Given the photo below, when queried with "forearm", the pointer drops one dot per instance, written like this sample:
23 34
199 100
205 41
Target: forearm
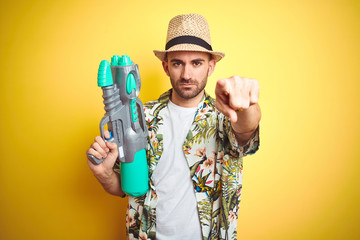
247 123
111 183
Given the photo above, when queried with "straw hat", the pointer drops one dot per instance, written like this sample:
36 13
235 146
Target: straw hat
189 32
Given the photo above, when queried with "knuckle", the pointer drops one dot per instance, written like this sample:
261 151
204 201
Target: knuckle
92 151
98 155
246 82
88 151
235 77
254 82
236 80
257 86
254 99
235 105
246 105
92 146
95 145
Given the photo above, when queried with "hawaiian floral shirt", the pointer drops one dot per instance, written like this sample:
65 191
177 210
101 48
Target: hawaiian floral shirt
216 165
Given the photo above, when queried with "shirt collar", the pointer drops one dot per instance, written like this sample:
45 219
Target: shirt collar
204 106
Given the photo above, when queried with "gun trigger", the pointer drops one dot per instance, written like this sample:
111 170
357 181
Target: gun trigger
111 135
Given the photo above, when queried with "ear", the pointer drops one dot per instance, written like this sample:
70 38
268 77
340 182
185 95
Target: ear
166 67
212 64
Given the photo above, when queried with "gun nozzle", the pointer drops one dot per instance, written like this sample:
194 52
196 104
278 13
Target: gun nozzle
104 74
125 61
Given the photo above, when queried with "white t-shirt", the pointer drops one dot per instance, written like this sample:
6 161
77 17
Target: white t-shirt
177 215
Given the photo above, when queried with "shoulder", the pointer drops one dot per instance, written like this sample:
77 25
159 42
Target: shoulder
208 101
154 107
150 104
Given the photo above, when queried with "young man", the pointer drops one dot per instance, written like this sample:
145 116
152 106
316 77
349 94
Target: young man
195 147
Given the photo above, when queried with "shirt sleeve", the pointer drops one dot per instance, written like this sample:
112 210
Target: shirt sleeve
250 147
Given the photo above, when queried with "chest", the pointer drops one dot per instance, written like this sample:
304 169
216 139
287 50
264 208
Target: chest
199 144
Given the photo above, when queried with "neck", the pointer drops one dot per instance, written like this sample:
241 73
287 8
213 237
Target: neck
186 103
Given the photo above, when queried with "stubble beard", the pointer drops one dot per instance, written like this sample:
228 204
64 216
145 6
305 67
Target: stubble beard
187 93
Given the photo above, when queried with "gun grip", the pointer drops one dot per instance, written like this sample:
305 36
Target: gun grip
95 160
103 122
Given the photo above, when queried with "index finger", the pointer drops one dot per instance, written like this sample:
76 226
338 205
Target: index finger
222 87
106 134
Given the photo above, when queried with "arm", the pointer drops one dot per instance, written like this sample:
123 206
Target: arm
109 179
237 98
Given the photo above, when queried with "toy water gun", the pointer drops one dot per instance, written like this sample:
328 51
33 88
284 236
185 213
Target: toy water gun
125 120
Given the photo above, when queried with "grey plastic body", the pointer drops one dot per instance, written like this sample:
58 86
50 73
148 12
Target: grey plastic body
129 135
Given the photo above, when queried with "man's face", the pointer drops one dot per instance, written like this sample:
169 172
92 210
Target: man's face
188 72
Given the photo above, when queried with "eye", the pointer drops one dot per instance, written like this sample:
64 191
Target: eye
197 63
177 64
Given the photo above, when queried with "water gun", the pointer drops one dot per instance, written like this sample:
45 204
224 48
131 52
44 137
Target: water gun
125 121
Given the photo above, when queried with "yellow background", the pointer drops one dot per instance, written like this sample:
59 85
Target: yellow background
302 184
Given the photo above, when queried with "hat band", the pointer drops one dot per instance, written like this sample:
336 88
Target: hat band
190 40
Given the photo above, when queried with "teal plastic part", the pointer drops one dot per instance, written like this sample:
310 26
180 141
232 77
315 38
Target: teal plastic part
134 113
104 74
125 61
135 175
130 83
115 60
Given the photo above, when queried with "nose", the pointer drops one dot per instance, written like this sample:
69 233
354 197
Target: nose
186 72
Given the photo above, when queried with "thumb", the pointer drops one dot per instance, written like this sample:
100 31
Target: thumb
233 116
112 146
113 150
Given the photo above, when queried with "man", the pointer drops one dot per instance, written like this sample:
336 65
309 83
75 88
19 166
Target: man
195 145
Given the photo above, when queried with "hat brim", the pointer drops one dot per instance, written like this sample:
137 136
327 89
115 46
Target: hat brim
188 47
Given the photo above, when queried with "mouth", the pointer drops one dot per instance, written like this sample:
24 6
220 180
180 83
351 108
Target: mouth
186 84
